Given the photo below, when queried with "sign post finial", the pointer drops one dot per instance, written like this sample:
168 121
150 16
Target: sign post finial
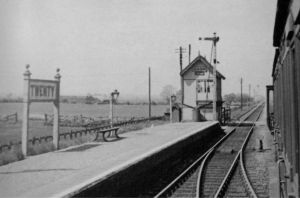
27 73
57 76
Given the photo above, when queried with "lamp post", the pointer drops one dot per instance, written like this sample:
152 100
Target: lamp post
172 99
113 97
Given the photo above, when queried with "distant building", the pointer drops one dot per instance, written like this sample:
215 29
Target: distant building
198 90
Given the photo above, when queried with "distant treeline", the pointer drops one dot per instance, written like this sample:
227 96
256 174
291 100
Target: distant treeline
236 98
10 100
89 99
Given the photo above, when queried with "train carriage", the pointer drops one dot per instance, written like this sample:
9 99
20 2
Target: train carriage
286 96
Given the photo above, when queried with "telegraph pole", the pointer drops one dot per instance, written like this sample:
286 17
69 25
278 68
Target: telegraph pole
241 94
149 71
180 57
249 94
190 50
181 51
214 39
181 77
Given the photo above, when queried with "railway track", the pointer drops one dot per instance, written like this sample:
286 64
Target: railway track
220 172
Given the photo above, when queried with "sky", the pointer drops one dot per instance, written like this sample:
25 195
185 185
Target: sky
102 45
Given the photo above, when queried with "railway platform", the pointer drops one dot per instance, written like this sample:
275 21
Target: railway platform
67 172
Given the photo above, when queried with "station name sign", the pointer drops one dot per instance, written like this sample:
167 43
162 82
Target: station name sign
40 90
43 90
200 70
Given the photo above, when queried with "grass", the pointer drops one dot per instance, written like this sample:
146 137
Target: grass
12 131
15 153
12 155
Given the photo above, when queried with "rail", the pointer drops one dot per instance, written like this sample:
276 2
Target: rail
200 162
223 187
243 169
169 188
201 171
239 158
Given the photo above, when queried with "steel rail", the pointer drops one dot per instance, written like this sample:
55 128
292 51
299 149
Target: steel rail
205 161
222 188
201 171
248 111
183 176
164 192
243 169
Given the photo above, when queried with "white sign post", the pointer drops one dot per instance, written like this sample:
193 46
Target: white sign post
38 90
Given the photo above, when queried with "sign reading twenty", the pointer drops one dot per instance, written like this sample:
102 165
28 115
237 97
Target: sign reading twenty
39 90
43 90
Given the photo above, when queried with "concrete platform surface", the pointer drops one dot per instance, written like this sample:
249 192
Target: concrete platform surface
59 173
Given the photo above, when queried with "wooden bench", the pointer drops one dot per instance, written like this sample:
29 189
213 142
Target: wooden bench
107 131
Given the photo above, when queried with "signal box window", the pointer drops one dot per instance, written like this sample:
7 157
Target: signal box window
204 86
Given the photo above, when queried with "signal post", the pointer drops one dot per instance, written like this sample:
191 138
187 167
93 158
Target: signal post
214 39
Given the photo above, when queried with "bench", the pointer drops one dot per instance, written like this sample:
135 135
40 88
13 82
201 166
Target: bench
107 131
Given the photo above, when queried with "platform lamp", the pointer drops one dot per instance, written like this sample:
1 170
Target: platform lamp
172 99
114 95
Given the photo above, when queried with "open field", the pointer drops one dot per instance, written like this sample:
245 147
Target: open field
37 110
12 131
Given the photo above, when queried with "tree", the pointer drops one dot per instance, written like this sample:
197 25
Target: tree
229 98
89 99
179 96
166 92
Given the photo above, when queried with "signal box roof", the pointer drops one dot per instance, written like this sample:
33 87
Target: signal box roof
204 62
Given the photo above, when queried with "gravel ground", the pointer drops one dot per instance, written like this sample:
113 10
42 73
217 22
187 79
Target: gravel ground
260 164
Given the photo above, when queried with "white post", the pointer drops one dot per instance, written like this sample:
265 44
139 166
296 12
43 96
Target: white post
111 110
25 124
56 113
171 113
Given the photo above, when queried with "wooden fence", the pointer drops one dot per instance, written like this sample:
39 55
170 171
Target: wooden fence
89 129
11 117
81 121
68 121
